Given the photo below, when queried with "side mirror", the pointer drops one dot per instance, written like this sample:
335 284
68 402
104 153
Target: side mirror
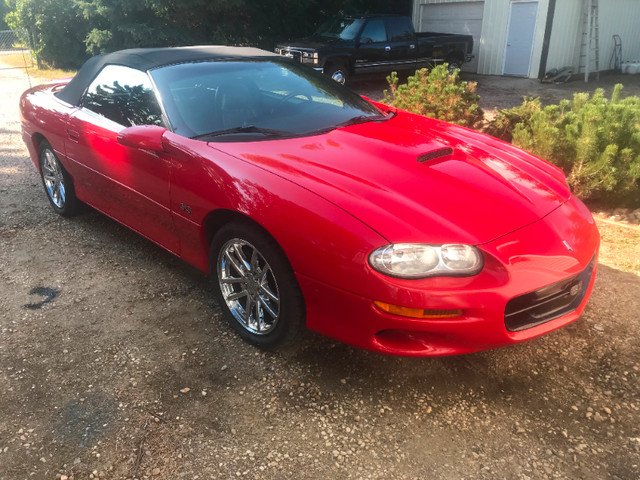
146 137
365 40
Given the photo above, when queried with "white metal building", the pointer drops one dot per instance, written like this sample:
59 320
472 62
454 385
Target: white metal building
528 37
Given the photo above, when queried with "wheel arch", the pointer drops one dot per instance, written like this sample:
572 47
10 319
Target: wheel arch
217 219
456 55
37 139
338 60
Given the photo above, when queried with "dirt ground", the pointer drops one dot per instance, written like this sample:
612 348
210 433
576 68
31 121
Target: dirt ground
114 364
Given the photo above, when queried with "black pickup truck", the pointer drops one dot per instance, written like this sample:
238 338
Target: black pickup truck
353 45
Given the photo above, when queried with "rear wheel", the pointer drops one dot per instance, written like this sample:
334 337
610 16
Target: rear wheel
339 73
255 286
57 182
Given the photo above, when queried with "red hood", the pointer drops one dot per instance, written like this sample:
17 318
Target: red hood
482 190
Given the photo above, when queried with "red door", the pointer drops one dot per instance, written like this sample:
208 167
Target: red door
128 184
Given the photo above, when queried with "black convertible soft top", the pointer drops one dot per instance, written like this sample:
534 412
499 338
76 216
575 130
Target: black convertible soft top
148 58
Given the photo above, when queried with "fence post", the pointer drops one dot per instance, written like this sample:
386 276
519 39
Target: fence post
31 42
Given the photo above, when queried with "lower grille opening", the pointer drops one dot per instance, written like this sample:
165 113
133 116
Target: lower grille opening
548 303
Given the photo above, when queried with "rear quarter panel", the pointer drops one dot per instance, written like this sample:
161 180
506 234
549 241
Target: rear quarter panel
42 115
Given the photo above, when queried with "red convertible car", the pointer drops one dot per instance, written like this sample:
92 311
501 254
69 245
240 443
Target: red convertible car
312 207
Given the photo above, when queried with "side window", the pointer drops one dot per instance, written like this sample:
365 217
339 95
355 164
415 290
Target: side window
124 95
375 30
400 29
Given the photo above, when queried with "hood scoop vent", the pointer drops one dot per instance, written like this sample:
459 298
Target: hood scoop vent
441 152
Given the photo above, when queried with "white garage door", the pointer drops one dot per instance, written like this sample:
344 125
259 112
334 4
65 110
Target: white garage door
459 17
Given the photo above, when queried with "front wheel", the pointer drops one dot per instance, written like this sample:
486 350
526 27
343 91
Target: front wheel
255 286
338 73
454 64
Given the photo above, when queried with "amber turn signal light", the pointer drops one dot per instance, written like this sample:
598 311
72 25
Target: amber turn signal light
417 312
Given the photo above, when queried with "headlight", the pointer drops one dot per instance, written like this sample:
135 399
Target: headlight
310 57
415 260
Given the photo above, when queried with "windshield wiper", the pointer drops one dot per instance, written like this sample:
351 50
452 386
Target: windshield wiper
361 119
354 121
245 129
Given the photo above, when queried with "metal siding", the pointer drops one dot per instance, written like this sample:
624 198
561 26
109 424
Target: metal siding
616 17
494 32
463 18
538 39
619 17
564 45
416 8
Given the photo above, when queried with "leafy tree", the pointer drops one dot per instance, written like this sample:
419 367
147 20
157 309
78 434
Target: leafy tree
118 24
55 27
4 10
66 31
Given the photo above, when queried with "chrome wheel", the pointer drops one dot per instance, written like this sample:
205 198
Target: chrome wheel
339 77
53 179
248 286
453 65
338 73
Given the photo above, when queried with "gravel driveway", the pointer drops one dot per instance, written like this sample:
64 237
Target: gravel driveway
114 363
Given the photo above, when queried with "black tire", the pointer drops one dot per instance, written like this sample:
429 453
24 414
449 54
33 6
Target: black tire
269 276
454 63
57 183
339 73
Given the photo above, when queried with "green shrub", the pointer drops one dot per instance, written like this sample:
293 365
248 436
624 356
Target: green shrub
595 141
436 94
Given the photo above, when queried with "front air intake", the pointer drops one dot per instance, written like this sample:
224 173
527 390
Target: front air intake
441 152
548 303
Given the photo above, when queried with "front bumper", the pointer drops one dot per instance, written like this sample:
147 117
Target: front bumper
516 264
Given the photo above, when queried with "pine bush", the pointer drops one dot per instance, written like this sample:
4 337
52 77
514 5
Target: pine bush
595 141
437 94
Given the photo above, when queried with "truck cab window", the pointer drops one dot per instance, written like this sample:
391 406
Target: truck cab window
375 30
400 29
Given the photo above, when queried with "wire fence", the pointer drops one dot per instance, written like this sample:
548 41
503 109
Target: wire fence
12 43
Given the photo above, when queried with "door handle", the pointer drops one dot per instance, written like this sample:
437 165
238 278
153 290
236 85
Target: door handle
387 48
73 135
412 46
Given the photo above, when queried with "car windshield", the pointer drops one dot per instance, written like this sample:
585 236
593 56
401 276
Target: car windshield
340 27
255 99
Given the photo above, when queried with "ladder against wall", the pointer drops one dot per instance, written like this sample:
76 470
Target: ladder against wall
590 40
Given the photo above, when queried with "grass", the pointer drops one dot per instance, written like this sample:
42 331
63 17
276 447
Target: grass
620 248
18 61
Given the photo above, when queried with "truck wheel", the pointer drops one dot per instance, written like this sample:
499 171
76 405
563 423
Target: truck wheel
454 64
339 73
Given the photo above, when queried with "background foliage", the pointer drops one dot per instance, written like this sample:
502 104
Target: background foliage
66 32
437 94
595 141
4 9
